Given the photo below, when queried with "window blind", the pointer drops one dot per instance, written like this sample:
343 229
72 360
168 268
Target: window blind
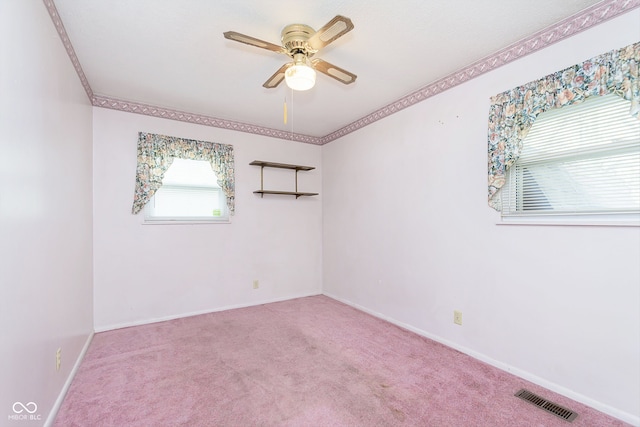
579 159
189 192
186 202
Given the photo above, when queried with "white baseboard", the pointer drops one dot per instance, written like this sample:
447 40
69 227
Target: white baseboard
197 313
58 403
621 415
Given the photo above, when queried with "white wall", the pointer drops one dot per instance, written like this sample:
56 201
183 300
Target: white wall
152 272
45 211
408 235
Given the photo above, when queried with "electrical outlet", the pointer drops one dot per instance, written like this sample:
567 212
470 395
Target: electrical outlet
58 359
256 284
457 317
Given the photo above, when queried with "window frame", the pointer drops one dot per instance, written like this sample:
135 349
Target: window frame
513 112
224 218
554 155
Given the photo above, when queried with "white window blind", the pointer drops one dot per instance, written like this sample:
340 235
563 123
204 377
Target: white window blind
189 192
576 160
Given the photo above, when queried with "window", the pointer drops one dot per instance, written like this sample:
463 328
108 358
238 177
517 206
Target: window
578 162
189 193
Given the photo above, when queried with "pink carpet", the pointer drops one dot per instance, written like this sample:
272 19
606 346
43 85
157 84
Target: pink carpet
305 362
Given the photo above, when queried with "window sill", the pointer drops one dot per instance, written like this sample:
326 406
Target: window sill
573 220
184 222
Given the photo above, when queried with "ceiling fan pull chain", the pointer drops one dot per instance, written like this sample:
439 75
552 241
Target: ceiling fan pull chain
285 110
292 117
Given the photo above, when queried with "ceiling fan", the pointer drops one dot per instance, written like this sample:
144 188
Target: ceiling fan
300 42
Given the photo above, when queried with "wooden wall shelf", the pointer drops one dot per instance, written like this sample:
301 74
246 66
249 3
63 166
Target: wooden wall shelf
297 168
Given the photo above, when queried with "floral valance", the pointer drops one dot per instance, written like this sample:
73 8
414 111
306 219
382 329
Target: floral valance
156 154
512 113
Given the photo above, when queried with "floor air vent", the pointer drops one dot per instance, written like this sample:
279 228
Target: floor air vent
543 403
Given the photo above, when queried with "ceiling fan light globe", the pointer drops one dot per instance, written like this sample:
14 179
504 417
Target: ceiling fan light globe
300 77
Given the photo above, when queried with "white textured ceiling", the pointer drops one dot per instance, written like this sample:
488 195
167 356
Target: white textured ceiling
172 54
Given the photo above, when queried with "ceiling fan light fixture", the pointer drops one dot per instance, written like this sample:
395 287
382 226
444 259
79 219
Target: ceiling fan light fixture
300 76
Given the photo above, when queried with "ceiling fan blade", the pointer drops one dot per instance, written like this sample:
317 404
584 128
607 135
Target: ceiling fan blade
331 70
337 27
252 41
277 77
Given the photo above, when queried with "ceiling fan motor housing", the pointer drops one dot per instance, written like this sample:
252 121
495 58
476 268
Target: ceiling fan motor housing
294 39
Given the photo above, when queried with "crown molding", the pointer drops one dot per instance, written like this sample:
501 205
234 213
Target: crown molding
182 116
568 27
57 22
